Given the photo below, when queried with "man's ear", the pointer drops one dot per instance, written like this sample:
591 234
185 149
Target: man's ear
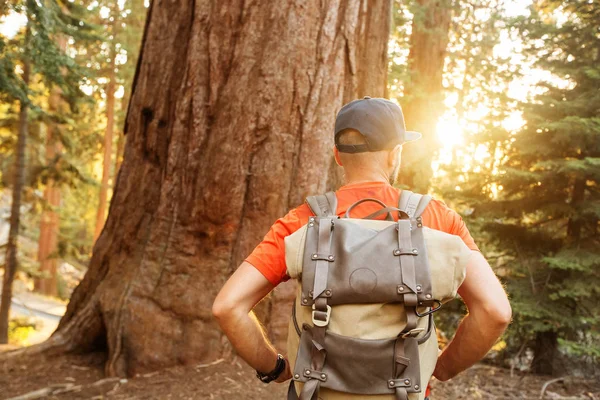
336 155
395 156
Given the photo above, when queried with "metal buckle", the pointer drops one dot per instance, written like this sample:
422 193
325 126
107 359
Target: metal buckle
413 333
431 311
317 322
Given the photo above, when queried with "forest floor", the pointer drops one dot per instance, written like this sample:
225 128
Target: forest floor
82 377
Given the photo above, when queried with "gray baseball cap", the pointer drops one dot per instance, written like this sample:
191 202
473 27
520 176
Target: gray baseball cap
379 120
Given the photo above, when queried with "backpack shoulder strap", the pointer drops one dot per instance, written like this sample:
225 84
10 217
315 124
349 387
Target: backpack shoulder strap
413 203
323 205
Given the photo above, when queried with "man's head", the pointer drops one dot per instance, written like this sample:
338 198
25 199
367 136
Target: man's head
369 134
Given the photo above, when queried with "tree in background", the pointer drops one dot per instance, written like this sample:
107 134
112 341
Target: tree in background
123 23
549 207
10 263
112 25
108 141
423 97
211 161
64 234
478 82
473 129
46 282
40 58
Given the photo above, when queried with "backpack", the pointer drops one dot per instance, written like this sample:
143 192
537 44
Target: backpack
376 275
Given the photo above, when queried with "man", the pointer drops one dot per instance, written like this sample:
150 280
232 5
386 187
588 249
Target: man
369 135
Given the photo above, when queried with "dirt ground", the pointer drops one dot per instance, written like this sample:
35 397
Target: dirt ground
81 377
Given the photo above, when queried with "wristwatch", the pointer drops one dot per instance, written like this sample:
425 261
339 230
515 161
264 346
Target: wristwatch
271 376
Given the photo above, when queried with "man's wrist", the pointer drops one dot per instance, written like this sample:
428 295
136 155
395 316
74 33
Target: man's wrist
272 375
441 371
272 366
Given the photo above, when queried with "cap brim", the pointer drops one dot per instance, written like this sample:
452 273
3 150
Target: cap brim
410 136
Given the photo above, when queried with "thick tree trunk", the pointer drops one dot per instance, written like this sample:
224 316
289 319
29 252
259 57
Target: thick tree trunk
424 98
49 223
10 267
108 142
229 125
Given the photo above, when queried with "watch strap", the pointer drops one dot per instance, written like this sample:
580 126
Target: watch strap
271 376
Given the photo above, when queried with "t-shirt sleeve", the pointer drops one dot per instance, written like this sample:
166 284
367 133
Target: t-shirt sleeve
269 256
457 226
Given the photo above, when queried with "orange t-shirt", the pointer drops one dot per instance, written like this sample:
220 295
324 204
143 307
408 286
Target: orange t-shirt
269 256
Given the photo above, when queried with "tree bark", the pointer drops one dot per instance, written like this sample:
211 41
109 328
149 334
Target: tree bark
10 267
545 353
423 103
120 142
230 124
49 222
49 226
108 138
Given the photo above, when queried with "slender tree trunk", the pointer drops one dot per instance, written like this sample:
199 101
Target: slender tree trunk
49 226
49 223
229 125
10 267
108 141
424 98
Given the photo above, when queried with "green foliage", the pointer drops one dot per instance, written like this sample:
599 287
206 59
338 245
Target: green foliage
477 78
545 219
11 87
93 33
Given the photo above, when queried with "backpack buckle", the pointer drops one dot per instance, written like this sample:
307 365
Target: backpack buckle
413 333
319 322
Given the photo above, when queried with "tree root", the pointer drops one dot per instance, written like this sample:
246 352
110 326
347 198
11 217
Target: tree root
51 345
78 334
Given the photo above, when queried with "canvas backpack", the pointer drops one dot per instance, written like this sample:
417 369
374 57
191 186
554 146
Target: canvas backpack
376 275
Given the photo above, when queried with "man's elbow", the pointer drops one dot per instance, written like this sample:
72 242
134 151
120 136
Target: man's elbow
222 308
500 314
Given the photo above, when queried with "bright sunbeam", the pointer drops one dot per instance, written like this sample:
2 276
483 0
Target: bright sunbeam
449 132
11 23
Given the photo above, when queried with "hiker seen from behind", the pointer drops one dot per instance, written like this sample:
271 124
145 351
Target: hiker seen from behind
373 263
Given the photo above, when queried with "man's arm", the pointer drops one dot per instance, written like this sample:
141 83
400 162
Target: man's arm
233 310
489 315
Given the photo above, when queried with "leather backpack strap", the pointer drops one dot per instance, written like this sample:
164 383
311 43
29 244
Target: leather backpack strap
403 201
323 205
422 205
413 204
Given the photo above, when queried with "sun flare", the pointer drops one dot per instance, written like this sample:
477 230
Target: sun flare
449 132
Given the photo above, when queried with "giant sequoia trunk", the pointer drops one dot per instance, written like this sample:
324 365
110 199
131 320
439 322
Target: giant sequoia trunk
424 104
229 125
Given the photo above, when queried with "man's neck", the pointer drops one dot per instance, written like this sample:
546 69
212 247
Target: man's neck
357 180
